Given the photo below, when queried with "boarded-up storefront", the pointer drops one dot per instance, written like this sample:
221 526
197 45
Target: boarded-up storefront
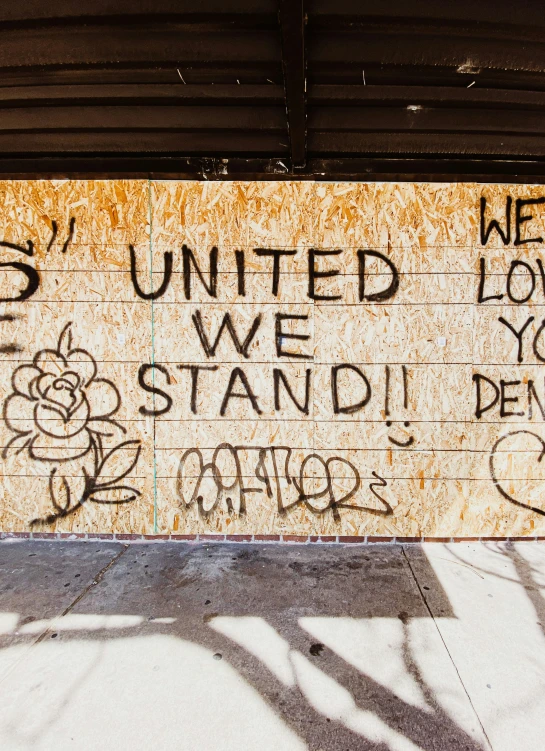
296 358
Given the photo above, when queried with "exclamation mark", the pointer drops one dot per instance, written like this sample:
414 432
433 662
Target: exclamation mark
405 387
387 394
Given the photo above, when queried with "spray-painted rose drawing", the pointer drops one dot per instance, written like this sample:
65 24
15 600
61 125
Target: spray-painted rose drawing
63 414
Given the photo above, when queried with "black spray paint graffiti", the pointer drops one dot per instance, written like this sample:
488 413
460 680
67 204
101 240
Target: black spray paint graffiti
63 415
520 282
33 281
401 442
227 324
494 473
33 277
55 229
153 295
514 397
29 250
520 220
272 467
282 388
190 267
9 349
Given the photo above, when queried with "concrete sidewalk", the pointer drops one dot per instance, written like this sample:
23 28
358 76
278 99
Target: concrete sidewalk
234 647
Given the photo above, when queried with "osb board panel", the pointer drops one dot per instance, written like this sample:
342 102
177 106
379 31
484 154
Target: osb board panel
322 408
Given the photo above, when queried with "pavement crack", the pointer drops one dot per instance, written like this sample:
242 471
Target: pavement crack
428 608
96 580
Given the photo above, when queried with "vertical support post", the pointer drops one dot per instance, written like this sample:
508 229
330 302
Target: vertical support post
292 30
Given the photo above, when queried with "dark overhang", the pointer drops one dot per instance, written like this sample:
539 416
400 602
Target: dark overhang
269 89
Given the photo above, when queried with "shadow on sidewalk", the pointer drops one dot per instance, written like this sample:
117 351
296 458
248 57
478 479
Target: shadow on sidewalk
338 643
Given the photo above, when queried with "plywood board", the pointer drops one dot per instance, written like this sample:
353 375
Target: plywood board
386 379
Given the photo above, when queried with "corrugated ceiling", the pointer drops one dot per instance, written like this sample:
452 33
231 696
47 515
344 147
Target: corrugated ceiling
272 88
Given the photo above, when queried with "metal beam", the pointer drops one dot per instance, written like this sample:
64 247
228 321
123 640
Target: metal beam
292 30
364 169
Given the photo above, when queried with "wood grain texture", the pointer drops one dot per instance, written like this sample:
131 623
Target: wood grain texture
116 420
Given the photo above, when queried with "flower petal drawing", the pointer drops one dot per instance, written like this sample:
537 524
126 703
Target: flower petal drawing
50 361
83 364
104 398
19 413
22 379
48 448
18 443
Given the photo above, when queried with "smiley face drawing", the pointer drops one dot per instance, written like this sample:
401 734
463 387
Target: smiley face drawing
401 443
